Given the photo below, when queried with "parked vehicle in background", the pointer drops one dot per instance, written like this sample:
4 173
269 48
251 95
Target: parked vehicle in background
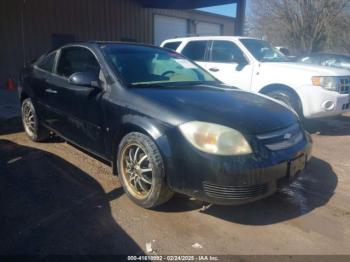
283 50
324 59
252 64
164 123
286 52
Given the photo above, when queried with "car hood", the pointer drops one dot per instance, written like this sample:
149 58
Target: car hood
245 111
313 70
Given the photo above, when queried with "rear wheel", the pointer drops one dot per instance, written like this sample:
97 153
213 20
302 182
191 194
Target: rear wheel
34 130
141 171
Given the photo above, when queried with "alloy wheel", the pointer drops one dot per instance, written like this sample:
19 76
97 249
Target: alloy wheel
137 171
29 119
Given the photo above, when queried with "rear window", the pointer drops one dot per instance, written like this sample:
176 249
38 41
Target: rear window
172 45
195 50
46 63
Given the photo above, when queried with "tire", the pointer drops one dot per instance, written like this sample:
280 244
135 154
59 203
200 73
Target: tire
31 123
289 99
137 153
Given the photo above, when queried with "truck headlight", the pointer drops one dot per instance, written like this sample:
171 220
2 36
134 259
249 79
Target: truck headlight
215 139
326 82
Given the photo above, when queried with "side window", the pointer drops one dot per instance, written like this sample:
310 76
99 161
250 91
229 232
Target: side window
77 59
47 62
172 45
226 52
195 50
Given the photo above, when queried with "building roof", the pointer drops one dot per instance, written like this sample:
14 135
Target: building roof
184 4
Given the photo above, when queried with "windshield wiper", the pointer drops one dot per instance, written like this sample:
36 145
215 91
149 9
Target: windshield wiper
173 84
147 85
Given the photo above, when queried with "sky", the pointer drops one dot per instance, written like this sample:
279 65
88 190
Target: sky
228 10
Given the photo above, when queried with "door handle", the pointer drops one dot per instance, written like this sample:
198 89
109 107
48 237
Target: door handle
214 69
51 91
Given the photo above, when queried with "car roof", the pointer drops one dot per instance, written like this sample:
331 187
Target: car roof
92 44
208 38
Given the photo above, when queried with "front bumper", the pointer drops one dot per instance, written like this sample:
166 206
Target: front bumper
318 102
228 180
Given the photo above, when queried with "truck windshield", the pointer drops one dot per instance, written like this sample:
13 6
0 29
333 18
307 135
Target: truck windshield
263 51
141 65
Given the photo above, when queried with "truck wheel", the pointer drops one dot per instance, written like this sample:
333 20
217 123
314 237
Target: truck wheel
34 130
141 171
289 99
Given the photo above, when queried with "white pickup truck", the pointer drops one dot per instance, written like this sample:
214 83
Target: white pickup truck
252 64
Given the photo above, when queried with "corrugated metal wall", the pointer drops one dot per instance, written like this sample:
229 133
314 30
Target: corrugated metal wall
85 19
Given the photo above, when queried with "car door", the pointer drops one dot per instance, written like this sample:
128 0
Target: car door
228 63
79 111
40 81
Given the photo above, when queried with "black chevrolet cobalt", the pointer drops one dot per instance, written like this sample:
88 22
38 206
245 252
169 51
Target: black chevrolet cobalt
163 123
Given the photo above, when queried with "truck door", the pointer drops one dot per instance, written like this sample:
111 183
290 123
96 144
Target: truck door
228 63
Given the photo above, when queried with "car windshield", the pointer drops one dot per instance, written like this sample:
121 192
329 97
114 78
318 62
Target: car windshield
141 65
263 51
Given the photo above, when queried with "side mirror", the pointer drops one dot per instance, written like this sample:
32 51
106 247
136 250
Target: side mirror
241 64
86 79
241 61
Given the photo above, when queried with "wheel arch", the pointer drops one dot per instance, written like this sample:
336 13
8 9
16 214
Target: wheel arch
282 87
135 124
23 96
274 87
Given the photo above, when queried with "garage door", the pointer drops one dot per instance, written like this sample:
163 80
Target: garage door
204 28
166 27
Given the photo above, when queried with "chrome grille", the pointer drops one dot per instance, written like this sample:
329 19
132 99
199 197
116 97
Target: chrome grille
234 192
344 85
283 138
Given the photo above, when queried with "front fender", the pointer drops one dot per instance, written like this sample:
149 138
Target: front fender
143 124
151 127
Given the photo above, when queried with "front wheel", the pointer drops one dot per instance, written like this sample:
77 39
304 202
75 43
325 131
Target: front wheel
34 130
141 171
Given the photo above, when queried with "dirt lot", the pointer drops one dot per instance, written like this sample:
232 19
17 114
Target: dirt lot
56 199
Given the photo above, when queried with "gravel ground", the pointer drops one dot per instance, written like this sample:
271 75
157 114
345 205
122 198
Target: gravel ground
56 199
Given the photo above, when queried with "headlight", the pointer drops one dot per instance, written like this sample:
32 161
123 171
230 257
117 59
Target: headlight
215 139
327 82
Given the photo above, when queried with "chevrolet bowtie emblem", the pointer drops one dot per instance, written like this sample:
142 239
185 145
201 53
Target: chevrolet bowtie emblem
287 136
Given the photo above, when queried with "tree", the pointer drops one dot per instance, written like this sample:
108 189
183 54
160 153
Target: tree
303 25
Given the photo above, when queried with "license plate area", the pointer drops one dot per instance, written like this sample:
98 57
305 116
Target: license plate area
296 166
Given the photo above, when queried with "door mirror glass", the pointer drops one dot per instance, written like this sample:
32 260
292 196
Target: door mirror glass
87 79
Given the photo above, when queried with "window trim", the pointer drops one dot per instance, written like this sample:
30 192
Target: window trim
36 65
230 63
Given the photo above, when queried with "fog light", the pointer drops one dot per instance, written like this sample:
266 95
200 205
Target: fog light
328 105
